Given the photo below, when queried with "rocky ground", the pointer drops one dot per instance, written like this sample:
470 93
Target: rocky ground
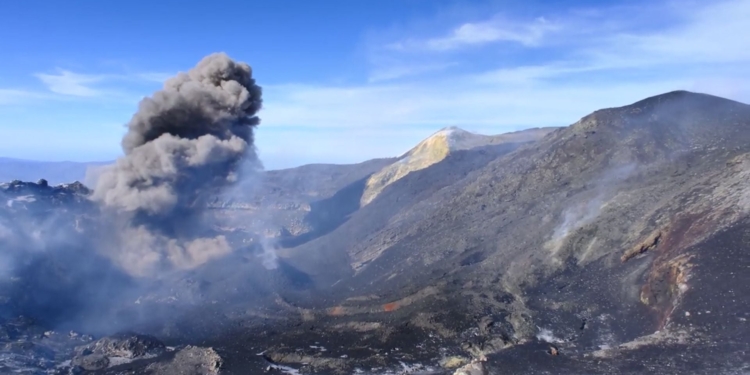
28 349
620 244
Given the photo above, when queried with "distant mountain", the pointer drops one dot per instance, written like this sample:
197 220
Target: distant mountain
436 148
54 172
284 204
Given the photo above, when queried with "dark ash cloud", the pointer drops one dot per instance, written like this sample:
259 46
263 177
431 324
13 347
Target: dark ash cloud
190 136
187 142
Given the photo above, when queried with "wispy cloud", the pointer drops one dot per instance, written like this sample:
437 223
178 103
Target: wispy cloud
69 83
606 38
706 33
395 70
66 85
498 29
65 82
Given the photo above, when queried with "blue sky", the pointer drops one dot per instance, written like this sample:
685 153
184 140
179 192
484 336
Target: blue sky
345 81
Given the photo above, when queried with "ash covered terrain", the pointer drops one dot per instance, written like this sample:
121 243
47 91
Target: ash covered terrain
617 245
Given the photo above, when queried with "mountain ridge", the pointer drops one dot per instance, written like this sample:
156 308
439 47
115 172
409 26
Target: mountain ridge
437 147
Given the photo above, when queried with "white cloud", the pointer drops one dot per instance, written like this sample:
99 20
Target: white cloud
69 83
707 33
528 34
498 29
394 71
531 73
620 37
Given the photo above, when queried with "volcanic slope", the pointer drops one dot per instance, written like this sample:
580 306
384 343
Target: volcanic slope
623 233
436 148
434 164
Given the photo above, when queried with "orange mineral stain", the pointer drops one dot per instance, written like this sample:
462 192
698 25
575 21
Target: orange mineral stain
388 307
336 311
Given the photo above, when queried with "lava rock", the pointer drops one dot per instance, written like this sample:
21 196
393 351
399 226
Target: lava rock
190 360
91 362
124 345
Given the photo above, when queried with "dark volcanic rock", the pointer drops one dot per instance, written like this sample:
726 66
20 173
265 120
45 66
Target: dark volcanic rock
64 193
124 345
190 360
54 172
91 362
26 348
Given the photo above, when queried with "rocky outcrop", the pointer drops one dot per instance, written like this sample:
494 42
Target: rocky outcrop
26 193
190 360
27 347
116 350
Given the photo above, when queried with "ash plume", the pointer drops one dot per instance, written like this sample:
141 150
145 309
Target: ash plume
186 142
190 136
